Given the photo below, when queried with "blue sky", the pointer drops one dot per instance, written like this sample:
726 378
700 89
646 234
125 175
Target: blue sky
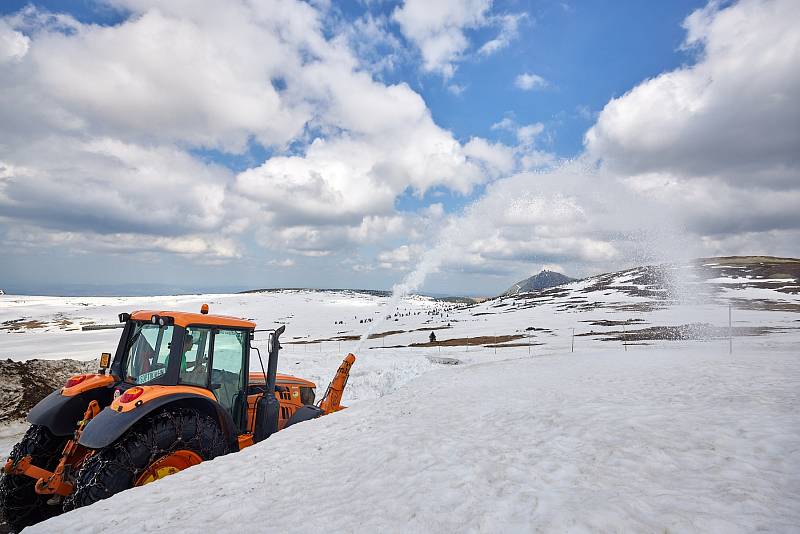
337 144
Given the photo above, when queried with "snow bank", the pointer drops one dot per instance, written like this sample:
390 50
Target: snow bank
648 441
10 434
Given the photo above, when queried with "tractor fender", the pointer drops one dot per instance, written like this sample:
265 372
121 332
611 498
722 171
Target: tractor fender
109 425
304 413
60 413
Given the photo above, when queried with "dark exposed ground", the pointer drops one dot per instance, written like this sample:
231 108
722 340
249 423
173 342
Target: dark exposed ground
59 321
779 274
609 322
469 341
692 331
26 383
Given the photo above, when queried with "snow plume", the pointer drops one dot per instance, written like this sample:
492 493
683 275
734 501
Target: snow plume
429 262
577 214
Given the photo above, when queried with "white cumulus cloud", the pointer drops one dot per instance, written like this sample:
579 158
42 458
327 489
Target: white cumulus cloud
527 81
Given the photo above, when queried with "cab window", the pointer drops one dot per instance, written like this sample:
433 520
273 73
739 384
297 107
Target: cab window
194 357
148 353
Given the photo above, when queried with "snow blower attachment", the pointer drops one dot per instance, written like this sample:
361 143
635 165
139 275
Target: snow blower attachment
178 392
333 396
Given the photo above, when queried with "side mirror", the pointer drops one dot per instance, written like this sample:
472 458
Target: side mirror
105 362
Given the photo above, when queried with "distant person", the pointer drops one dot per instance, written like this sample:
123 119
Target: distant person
433 337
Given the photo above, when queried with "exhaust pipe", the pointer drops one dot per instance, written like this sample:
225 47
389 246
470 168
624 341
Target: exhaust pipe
272 363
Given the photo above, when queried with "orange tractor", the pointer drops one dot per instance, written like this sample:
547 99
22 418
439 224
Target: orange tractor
179 392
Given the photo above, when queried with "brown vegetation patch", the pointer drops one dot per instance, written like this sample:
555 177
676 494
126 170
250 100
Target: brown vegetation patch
753 269
384 334
315 341
514 345
427 328
20 324
645 307
609 322
691 331
468 341
654 277
765 304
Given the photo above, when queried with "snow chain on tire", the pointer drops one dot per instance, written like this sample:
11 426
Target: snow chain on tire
21 506
117 467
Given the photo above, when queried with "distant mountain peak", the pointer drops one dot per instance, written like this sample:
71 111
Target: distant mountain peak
543 280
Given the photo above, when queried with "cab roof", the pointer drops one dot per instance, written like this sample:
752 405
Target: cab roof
187 319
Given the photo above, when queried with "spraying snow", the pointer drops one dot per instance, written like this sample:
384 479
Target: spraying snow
431 259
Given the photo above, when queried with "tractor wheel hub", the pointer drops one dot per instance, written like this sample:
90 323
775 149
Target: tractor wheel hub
168 465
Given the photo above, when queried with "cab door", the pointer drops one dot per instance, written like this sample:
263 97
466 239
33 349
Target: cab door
229 371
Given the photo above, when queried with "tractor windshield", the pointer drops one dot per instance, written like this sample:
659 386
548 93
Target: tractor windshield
147 353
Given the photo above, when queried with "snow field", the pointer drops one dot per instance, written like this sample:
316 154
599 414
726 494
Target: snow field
647 441
10 434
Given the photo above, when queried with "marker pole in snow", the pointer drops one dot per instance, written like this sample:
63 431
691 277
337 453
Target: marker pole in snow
572 347
624 338
730 330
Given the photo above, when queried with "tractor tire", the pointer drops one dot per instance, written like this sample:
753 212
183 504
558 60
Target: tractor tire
20 505
128 462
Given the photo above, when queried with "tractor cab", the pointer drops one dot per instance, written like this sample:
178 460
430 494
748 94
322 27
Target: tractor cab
164 353
211 352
